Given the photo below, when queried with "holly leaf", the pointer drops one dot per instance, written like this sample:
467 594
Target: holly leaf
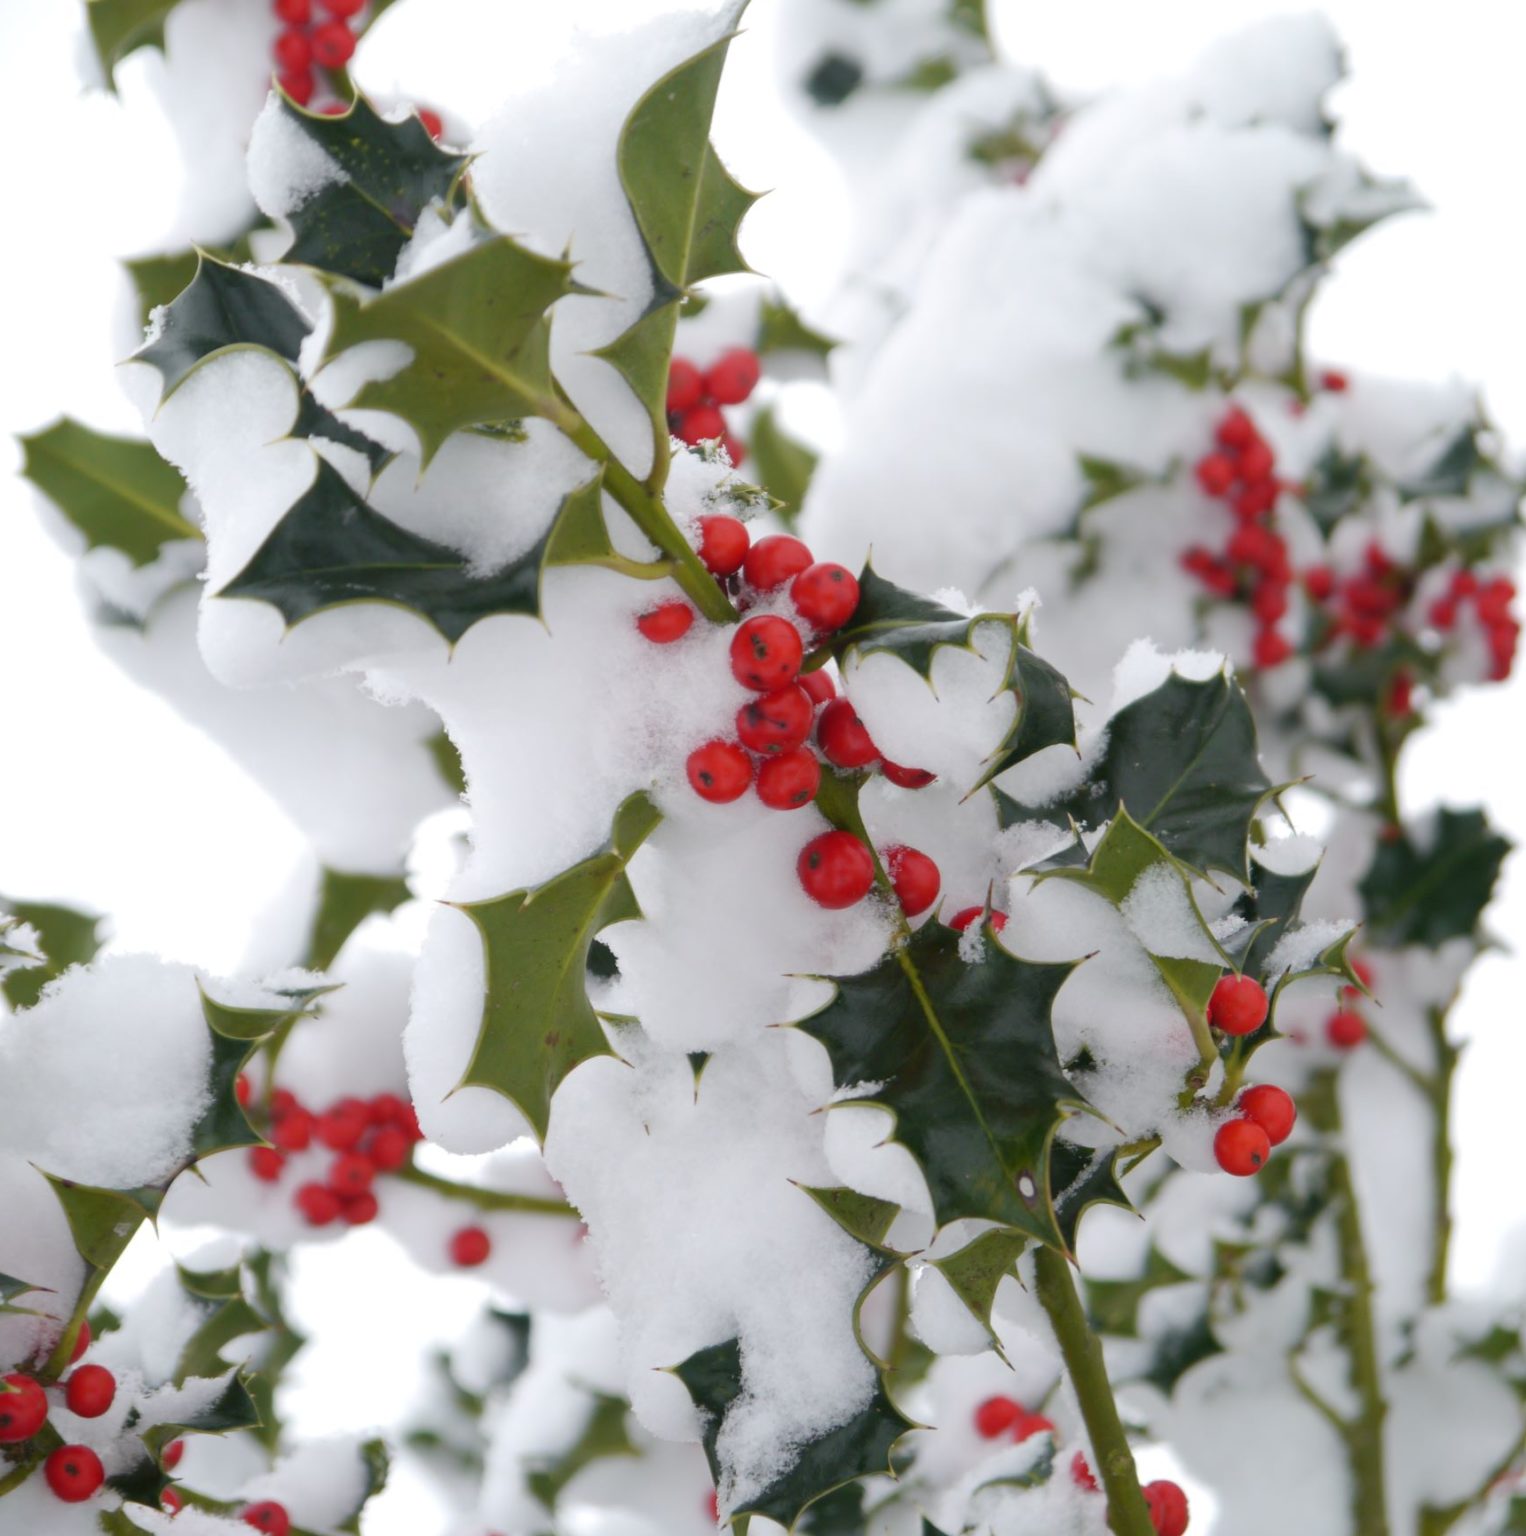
839 1513
604 1434
781 330
976 1271
784 465
859 1448
962 1054
1269 908
102 1220
1113 1305
865 1217
537 1022
332 548
1336 487
345 901
11 1288
1432 883
119 27
480 336
116 490
687 207
1081 1177
376 1464
69 937
357 225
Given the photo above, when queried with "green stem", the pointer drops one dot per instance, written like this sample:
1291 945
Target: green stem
485 1199
1441 1155
109 1250
1127 1512
895 1356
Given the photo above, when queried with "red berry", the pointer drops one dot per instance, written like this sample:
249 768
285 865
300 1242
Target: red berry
1255 498
345 8
666 622
1443 613
388 1149
359 1209
470 1247
686 386
342 1126
825 595
333 44
172 1454
1400 698
1494 600
835 869
967 915
776 722
996 1415
775 560
733 376
81 1341
1272 1109
1271 648
1168 1507
267 1516
1215 473
90 1391
819 685
1256 462
723 543
282 1102
914 878
293 51
386 1109
295 13
1238 1005
351 1174
1236 430
1336 382
23 1408
266 1164
171 1501
1346 1030
766 653
434 124
736 449
702 424
243 1090
1319 582
907 778
719 772
1270 601
298 84
788 781
842 736
1464 583
74 1473
1031 1424
319 1205
1081 1473
293 1132
1241 1147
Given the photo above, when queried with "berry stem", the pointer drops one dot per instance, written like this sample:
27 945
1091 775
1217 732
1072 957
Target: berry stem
1440 1090
1127 1512
485 1199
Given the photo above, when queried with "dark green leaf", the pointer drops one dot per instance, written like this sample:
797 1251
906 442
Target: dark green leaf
1336 486
157 279
118 27
603 1435
537 1022
102 1221
1269 908
784 465
1431 885
839 1513
69 937
345 901
964 1058
780 329
864 1217
376 1460
1106 479
833 79
1081 1177
977 1270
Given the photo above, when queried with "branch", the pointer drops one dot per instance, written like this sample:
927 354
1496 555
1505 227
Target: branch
485 1199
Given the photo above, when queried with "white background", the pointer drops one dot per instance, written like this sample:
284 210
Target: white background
108 800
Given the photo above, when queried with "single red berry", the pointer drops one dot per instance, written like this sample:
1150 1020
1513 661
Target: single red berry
996 1415
1272 1109
713 1506
388 1149
776 722
319 1205
172 1455
342 1125
267 1516
907 778
344 8
1215 473
1464 583
434 124
1399 701
1168 1507
666 622
357 1210
293 51
1334 381
701 424
1238 1005
1494 600
293 1132
90 1391
1346 1030
719 772
1031 1424
775 560
1241 1147
967 915
351 1174
733 376
266 1164
1256 462
686 386
295 13
1271 648
842 736
1252 544
333 44
171 1501
282 1102
835 869
470 1247
788 781
1235 430
1256 498
408 1123
1319 582
736 449
825 595
243 1090
1444 613
386 1109
1270 601
819 685
23 1408
81 1341
723 543
766 653
298 84
74 1473
914 878
1081 1473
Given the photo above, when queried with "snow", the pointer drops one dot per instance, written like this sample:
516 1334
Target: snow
286 166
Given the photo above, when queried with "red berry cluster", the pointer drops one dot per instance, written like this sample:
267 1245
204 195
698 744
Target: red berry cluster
73 1472
1264 1115
695 397
1490 601
306 42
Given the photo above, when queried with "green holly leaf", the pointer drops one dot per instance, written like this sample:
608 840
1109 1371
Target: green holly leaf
604 1434
1432 882
11 1288
1269 908
376 1462
283 1342
480 335
1107 479
158 279
69 937
331 548
119 27
345 901
865 1217
101 1221
688 208
1336 487
537 1022
859 1448
116 490
839 1513
1379 198
1113 1305
357 226
784 465
963 1057
1081 1177
780 329
976 1271
232 1409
